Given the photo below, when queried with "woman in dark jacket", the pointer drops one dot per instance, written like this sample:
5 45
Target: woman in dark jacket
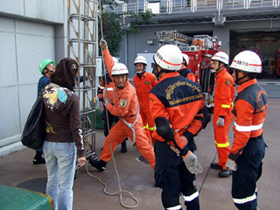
64 140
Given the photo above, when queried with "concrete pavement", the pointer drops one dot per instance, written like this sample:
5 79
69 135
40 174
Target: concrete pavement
17 169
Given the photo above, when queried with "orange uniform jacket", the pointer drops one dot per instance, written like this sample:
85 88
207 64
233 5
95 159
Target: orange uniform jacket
250 108
143 86
185 72
224 94
180 109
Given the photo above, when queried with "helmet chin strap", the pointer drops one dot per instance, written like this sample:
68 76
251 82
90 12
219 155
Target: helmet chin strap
158 74
220 68
141 72
237 79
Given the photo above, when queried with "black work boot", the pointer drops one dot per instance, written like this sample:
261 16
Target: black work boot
225 173
100 165
142 159
215 166
124 149
38 159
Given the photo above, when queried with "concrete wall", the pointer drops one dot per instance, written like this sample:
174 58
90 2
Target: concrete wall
39 10
30 31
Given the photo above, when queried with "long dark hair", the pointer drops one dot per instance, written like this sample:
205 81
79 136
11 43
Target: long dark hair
65 73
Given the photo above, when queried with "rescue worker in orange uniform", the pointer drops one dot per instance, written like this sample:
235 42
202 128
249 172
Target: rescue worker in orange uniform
125 106
185 71
248 149
175 103
144 82
223 105
107 86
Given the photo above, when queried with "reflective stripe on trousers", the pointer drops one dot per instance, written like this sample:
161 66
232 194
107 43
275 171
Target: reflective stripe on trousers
179 207
191 197
245 200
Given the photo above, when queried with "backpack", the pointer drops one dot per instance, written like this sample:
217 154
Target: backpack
33 134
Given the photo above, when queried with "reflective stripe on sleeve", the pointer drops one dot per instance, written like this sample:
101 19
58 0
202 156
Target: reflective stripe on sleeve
248 128
152 128
191 197
221 145
108 89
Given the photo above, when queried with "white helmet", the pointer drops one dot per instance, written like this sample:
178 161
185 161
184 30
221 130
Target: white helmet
140 59
220 56
169 57
119 69
247 61
186 58
115 60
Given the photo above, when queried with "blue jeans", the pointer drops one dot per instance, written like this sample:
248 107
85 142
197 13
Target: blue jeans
60 162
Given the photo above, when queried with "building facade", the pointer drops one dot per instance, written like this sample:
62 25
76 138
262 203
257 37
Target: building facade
239 24
30 31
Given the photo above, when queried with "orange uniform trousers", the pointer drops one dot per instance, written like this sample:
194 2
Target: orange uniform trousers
221 138
119 132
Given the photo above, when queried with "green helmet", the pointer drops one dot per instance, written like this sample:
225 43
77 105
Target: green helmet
44 63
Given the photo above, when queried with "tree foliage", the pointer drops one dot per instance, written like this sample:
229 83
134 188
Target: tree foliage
142 18
112 24
112 31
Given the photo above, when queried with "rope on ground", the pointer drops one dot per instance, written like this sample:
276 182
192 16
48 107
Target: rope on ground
120 192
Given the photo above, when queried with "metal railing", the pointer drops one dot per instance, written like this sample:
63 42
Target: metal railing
181 6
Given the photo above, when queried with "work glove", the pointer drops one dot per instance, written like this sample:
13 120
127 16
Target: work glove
103 44
231 165
192 163
101 106
220 122
107 101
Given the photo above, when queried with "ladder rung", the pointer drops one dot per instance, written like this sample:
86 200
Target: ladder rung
82 41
